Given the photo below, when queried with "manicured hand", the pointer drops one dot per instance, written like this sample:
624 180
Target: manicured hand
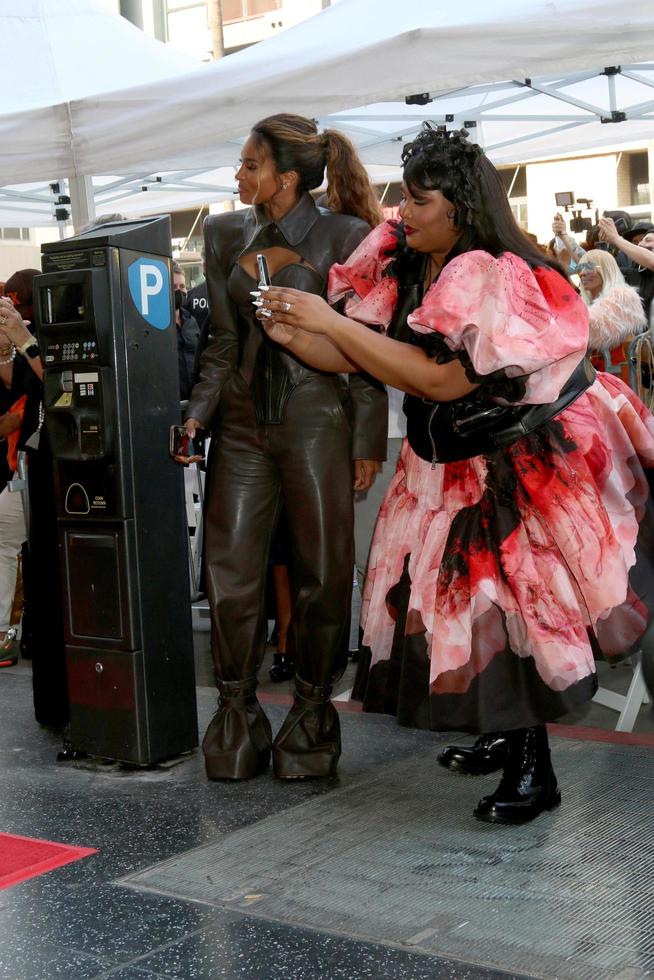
281 333
294 308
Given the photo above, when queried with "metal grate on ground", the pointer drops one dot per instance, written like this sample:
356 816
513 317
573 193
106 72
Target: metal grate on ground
397 858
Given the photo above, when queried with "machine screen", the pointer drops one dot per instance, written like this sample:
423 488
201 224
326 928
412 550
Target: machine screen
64 304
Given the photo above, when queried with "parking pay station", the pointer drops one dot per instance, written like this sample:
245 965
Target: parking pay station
111 392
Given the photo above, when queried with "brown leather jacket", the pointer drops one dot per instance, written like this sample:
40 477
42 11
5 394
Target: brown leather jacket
237 341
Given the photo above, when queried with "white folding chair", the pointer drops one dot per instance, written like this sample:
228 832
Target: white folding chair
629 704
194 479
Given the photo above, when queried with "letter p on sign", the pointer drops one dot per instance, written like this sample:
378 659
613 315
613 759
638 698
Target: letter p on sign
149 287
151 284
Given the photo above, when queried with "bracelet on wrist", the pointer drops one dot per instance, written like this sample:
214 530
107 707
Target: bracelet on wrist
10 357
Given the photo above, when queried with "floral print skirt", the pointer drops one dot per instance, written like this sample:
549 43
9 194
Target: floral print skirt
494 583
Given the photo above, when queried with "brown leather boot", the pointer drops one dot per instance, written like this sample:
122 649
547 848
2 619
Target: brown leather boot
308 745
238 740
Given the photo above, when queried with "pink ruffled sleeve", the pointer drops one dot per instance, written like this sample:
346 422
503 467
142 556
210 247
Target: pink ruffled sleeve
508 318
370 296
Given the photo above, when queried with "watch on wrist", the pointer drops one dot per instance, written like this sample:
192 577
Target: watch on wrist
30 348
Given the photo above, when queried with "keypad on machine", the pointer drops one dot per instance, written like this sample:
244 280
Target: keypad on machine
75 351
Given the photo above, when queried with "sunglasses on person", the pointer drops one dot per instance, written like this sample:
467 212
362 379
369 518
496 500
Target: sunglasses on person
587 267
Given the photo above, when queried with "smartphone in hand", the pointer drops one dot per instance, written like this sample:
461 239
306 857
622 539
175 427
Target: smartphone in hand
185 449
264 273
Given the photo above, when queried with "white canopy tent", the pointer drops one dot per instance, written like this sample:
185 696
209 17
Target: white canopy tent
56 53
528 81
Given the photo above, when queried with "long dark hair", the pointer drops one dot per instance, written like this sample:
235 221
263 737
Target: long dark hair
294 143
460 170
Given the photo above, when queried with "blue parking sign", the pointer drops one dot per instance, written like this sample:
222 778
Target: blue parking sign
149 286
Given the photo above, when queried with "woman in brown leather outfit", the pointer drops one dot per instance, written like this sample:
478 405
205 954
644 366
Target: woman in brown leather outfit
281 433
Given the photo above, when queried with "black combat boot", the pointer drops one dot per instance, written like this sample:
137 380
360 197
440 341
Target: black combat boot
528 785
488 754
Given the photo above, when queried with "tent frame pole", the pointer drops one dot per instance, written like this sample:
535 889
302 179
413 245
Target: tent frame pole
82 201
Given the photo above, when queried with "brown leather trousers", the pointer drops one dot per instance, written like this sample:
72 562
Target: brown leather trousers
305 463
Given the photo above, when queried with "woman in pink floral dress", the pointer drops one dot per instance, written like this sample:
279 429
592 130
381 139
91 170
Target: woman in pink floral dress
515 542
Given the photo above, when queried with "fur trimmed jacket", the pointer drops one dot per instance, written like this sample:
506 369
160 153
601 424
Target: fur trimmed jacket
615 318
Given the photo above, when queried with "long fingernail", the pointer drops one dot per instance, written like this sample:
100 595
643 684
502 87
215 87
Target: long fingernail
263 288
257 302
255 292
265 313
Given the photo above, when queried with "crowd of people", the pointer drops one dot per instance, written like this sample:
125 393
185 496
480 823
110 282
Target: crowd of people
512 547
616 278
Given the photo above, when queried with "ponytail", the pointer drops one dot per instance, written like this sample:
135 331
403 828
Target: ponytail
349 190
295 144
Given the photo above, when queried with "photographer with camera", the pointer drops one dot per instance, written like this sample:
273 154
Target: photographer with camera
642 254
642 257
565 246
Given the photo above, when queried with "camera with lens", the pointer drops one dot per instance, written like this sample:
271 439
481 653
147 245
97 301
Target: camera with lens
577 223
566 200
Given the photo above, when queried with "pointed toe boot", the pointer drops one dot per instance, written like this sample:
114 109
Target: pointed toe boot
488 754
528 786
238 740
308 745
